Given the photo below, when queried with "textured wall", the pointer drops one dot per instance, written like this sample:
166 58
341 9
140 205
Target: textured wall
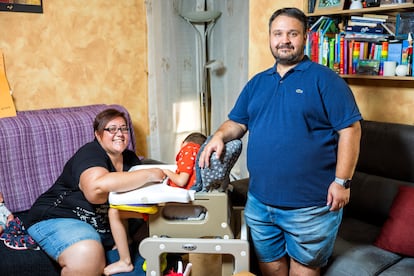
379 100
78 53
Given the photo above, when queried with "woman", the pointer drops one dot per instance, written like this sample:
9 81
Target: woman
70 220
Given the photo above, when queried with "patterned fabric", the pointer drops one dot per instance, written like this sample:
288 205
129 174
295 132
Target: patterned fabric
186 162
35 145
217 175
15 236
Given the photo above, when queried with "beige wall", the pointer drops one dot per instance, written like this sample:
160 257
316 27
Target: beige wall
260 11
380 100
87 52
78 53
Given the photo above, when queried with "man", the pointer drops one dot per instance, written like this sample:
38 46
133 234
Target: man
304 136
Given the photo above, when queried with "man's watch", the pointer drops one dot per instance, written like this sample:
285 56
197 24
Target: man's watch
346 183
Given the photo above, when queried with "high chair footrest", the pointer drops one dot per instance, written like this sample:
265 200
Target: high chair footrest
151 248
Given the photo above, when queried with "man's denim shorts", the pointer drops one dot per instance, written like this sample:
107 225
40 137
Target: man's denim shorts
306 234
55 235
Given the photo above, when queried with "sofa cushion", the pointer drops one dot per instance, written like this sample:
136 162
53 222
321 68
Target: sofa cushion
371 197
400 268
397 232
365 260
358 231
387 150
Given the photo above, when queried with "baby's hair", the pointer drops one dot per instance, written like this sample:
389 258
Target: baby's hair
196 137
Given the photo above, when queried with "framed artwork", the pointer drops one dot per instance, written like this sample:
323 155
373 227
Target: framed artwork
329 5
22 6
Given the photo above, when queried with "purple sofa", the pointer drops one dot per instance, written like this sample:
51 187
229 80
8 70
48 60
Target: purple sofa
34 146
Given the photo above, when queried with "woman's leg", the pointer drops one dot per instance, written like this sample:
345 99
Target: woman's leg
84 258
78 252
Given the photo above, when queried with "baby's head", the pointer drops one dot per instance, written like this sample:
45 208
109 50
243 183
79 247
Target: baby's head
1 197
195 137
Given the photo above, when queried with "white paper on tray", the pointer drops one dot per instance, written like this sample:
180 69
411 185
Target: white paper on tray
153 194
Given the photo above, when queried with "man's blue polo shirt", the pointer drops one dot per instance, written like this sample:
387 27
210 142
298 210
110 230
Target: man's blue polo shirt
293 123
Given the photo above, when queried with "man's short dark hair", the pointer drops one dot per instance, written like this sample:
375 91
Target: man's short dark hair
291 12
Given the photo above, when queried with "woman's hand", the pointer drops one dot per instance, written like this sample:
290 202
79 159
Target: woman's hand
157 174
97 182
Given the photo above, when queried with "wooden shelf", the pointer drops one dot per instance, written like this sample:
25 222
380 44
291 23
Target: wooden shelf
388 9
384 9
371 77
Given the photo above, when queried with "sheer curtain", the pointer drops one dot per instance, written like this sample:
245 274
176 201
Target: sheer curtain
173 66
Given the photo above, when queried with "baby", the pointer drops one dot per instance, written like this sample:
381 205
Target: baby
5 215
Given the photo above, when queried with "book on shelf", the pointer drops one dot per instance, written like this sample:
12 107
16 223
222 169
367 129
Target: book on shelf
315 26
331 59
350 22
366 37
383 57
364 50
364 29
342 55
325 51
389 28
355 55
367 18
394 52
373 15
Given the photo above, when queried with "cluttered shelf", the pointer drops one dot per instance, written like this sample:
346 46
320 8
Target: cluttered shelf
373 77
383 9
367 43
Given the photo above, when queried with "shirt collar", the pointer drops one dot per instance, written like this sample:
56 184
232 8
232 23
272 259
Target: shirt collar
302 65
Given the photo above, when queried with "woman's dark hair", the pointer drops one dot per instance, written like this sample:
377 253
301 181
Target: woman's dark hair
291 12
104 117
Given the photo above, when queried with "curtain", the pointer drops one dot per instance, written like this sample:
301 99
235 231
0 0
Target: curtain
174 67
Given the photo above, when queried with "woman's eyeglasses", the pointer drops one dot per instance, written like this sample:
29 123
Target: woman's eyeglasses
114 129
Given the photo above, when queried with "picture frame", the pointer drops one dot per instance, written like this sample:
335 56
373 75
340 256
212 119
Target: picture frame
329 5
35 6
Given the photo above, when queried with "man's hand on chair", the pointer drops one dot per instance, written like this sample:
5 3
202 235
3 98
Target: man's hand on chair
216 144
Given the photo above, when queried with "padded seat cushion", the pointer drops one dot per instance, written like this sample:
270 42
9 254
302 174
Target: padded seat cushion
217 175
400 268
365 260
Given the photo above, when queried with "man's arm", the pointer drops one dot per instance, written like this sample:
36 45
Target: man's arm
348 152
228 131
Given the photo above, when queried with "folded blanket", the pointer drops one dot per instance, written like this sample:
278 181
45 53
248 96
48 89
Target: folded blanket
15 236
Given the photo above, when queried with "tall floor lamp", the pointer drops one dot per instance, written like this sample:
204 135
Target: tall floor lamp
208 19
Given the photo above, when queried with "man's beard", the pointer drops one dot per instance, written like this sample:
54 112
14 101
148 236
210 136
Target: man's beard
291 59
